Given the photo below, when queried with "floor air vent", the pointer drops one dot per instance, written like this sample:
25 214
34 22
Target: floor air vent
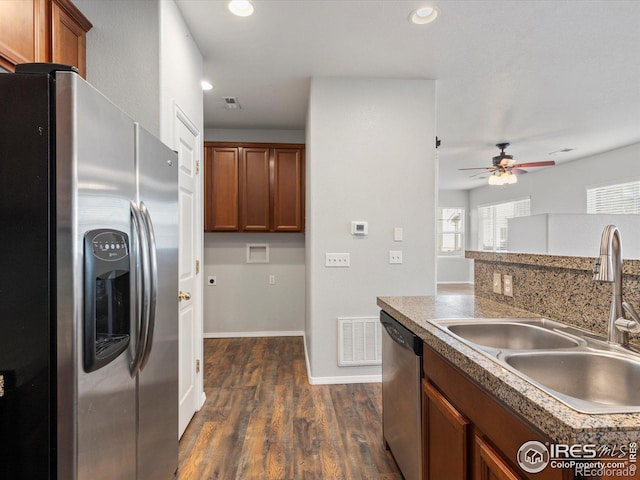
359 341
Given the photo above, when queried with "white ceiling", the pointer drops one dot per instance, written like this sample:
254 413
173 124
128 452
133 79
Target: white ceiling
543 75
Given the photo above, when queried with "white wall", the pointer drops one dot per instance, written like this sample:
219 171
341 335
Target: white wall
563 188
243 303
123 55
370 156
456 269
180 73
574 234
254 135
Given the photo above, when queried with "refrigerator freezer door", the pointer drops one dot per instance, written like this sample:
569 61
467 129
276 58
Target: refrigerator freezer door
157 173
95 182
25 284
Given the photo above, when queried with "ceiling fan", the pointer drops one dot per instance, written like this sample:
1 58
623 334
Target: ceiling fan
504 169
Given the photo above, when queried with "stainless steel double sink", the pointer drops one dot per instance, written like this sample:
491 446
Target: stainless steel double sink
578 368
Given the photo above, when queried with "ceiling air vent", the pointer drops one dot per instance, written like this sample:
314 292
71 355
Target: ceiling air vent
231 103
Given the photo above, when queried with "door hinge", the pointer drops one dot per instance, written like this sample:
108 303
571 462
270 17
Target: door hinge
197 167
197 266
197 366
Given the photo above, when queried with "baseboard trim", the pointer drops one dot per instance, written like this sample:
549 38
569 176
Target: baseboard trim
289 333
455 283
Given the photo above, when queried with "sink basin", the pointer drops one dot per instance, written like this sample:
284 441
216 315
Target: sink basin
511 335
588 381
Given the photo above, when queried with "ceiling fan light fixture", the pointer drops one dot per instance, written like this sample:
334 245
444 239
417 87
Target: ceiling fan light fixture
241 8
423 15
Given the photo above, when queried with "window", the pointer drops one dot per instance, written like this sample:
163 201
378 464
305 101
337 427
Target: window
493 222
619 198
450 231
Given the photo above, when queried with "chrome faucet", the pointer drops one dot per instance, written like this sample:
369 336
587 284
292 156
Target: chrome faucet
608 268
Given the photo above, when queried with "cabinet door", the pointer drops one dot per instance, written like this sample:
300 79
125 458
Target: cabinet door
22 32
221 189
445 437
68 38
288 190
489 463
255 196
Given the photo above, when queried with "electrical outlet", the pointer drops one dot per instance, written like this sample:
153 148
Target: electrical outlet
212 281
497 283
337 260
508 285
395 256
272 279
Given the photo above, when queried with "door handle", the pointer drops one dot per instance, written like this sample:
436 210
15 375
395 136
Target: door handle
183 296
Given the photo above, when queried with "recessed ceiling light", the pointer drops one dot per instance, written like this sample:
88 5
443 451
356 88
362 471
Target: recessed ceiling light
241 8
423 15
206 85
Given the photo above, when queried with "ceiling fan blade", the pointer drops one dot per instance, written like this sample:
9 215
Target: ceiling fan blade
547 163
482 173
478 168
518 171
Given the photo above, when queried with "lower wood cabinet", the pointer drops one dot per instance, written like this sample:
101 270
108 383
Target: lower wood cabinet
489 464
445 437
467 433
253 187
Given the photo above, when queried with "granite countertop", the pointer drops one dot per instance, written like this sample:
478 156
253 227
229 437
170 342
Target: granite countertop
629 266
559 422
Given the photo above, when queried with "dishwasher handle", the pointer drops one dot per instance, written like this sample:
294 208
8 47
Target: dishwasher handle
401 334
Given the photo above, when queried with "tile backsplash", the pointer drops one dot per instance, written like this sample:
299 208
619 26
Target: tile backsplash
557 287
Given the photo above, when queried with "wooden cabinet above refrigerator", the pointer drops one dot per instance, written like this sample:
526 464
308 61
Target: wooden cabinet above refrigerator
42 31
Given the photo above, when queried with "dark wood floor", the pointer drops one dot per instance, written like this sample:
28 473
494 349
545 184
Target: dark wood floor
262 419
455 289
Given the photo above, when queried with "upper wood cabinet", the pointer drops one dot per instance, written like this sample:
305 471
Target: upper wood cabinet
221 189
288 190
261 191
42 31
255 195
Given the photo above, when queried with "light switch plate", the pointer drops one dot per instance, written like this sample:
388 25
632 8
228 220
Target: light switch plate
398 234
497 283
337 260
508 285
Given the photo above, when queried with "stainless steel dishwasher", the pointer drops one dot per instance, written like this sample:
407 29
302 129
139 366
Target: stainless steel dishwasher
401 405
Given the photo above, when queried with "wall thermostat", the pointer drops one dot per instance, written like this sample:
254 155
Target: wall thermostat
359 228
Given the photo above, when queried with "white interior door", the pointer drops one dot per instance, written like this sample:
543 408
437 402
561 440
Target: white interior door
189 330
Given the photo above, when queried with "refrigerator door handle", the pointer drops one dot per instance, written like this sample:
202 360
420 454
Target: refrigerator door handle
142 285
153 284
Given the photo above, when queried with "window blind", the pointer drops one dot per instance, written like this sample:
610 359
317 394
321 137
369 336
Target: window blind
493 222
450 231
618 198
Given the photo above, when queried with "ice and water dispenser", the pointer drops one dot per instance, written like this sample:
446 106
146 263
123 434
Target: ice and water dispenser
106 297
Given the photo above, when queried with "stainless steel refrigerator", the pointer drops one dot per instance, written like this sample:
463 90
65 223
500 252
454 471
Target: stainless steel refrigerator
88 285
